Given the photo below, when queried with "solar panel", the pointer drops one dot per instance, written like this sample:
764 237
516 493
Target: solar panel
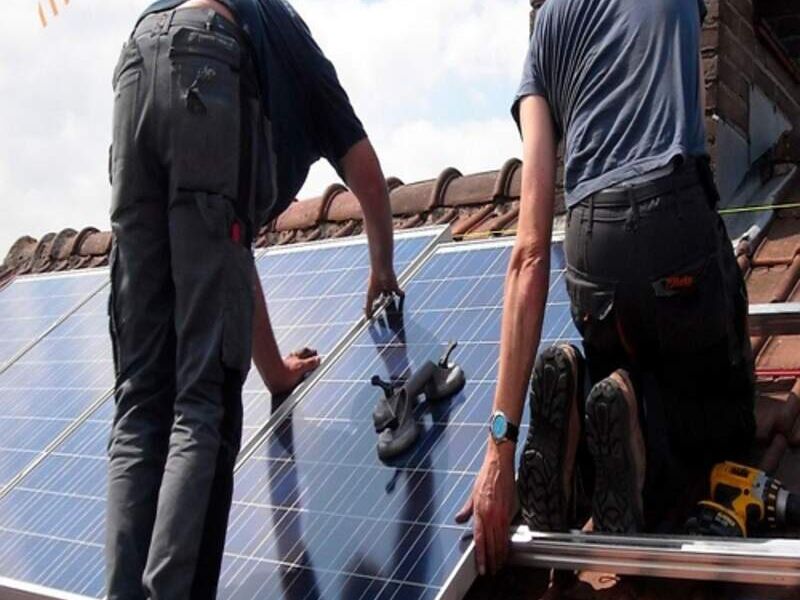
30 306
57 380
316 514
315 295
52 520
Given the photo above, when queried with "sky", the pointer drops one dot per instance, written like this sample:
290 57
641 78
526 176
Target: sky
432 80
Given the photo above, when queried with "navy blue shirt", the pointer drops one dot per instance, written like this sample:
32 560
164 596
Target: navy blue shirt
622 79
310 112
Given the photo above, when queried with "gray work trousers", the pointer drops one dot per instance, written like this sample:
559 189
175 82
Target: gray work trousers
181 304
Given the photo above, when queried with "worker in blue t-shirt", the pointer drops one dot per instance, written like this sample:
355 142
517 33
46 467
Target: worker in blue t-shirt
220 109
654 287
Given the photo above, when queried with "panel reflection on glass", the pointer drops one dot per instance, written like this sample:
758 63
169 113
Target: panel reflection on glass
30 305
52 524
52 384
316 514
315 295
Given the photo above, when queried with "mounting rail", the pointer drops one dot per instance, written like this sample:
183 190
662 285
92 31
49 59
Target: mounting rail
775 319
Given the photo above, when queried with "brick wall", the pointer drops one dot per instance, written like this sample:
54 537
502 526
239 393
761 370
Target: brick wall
735 58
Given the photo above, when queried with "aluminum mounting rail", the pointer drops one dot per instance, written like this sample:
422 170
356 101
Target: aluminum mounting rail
768 561
775 319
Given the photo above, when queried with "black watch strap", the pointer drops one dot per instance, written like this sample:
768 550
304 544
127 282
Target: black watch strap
512 432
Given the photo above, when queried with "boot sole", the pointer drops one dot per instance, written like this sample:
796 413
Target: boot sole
616 504
554 389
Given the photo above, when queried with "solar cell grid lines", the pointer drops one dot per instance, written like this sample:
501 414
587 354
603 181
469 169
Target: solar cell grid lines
315 295
316 515
52 522
32 305
48 388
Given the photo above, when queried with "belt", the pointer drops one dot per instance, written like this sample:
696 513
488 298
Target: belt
685 176
192 16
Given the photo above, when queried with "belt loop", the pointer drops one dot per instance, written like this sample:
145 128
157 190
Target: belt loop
590 228
209 19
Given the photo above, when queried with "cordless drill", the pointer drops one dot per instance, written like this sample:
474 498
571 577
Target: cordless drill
744 501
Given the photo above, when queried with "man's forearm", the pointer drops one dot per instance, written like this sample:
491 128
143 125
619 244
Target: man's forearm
266 354
364 176
523 311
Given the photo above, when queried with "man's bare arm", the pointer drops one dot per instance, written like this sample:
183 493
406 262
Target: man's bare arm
526 287
279 375
363 174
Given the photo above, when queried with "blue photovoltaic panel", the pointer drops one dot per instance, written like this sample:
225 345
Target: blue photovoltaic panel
52 523
55 382
31 305
315 294
316 514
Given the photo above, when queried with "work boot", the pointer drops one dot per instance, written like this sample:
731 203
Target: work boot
546 483
615 441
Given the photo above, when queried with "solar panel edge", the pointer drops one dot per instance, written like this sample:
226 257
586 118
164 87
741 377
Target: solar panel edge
443 232
71 311
13 589
443 235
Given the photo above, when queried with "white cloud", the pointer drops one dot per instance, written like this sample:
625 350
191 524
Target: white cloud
432 81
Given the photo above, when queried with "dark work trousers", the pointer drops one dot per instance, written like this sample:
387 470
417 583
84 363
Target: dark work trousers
655 288
181 308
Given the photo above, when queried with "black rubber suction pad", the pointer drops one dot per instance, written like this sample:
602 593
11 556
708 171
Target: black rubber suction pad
392 442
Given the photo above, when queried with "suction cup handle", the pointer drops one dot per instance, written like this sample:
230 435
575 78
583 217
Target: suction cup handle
445 360
387 386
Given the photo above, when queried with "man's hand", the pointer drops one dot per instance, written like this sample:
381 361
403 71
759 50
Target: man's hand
381 282
491 506
294 369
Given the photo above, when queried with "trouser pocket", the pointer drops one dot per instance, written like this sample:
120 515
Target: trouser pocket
592 306
205 112
691 307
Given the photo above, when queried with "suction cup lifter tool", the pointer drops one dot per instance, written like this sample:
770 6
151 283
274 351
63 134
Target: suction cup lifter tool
394 418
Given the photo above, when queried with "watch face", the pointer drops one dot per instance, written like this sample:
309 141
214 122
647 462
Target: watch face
499 426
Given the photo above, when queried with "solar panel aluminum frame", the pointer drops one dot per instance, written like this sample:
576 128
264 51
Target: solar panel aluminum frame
763 561
27 347
443 235
12 589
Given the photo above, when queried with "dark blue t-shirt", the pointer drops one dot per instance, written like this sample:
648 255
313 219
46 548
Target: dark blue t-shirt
622 78
310 112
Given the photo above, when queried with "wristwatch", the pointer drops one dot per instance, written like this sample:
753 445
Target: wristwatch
502 429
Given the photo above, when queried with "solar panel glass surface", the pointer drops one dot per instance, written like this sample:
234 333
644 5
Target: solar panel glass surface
315 295
52 522
31 305
316 514
49 387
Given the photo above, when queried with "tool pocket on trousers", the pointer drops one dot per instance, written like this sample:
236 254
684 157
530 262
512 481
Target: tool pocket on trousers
205 112
691 307
592 306
237 335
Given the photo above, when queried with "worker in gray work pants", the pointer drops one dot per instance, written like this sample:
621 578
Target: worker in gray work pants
195 170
